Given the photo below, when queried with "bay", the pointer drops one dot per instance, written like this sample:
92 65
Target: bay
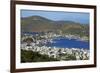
68 43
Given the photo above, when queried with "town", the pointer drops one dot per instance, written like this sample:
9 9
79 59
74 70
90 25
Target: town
36 43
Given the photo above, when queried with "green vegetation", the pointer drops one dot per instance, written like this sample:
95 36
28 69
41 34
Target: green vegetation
30 56
70 57
67 57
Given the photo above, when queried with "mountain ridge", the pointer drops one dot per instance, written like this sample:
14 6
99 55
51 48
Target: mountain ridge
42 24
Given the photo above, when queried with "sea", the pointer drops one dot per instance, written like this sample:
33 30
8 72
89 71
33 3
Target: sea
69 43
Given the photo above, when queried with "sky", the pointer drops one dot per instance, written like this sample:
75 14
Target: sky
58 15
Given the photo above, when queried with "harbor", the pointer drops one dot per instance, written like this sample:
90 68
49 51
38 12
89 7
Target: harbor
51 44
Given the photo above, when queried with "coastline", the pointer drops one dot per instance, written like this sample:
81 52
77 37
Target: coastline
54 35
37 43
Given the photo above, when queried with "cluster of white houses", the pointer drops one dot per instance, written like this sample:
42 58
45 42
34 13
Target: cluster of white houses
80 54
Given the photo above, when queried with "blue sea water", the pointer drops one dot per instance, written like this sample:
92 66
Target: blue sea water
69 43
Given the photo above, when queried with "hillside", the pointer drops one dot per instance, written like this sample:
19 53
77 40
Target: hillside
41 24
30 56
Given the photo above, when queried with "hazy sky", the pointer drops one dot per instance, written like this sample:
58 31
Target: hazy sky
58 15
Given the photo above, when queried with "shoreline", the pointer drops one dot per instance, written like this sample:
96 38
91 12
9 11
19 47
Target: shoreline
54 35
